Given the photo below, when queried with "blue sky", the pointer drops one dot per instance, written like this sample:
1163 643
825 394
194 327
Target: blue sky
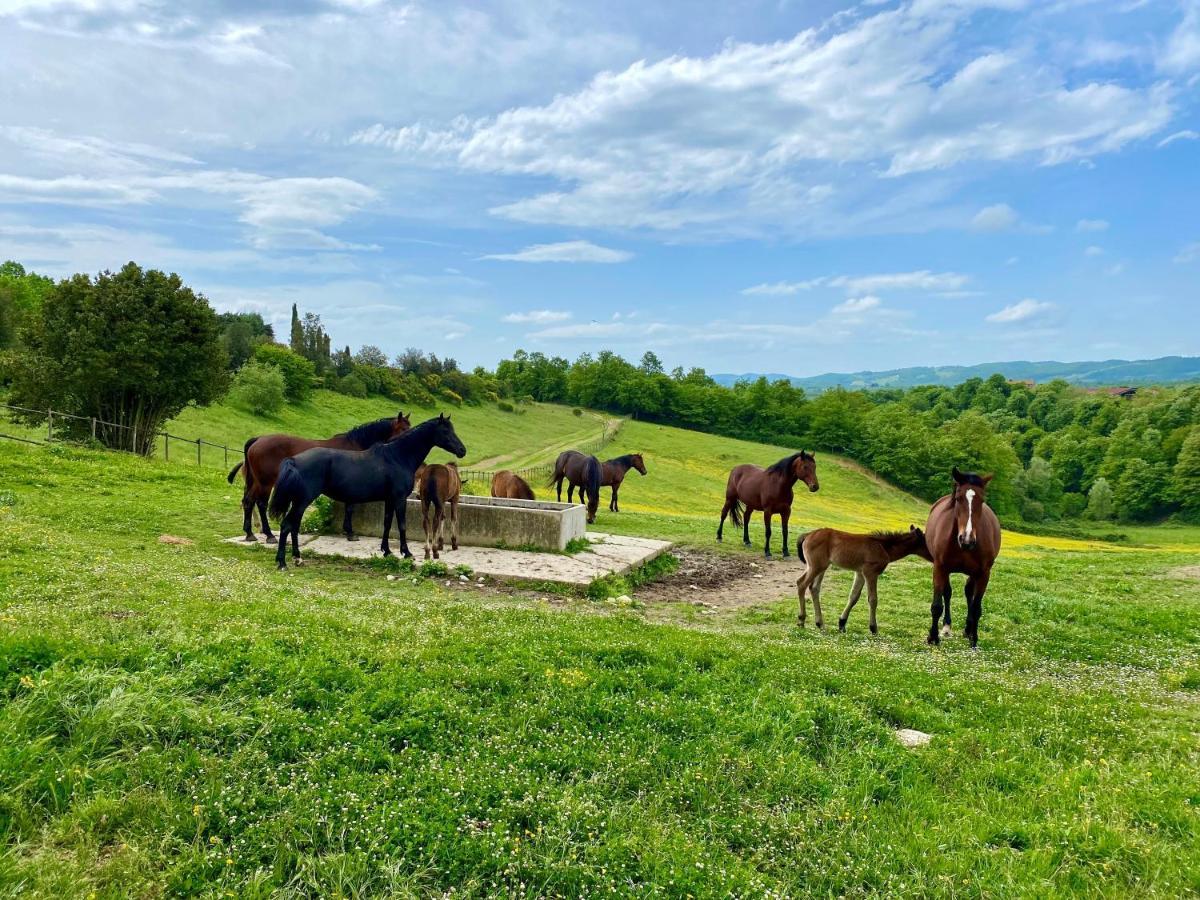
779 186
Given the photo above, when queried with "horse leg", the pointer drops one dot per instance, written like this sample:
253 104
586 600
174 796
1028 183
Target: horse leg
767 531
248 517
571 492
281 550
261 502
783 521
348 523
389 507
815 590
612 504
802 584
975 609
746 526
873 598
401 507
941 585
454 525
558 484
949 592
855 593
724 512
294 528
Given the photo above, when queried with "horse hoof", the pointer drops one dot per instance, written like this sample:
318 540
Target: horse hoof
352 537
874 629
298 561
250 539
947 631
842 626
270 539
933 640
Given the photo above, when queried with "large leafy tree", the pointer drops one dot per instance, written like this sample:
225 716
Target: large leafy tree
131 348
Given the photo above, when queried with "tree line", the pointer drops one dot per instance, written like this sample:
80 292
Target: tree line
136 346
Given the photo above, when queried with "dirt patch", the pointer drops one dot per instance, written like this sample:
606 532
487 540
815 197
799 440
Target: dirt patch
1186 572
722 580
175 540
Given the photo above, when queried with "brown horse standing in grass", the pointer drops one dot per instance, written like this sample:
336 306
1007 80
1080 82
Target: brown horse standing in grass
768 489
964 537
511 486
440 486
266 453
580 471
612 473
866 555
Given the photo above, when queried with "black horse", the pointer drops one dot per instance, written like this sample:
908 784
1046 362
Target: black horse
385 472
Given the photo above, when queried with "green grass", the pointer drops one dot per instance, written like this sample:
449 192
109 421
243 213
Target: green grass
181 720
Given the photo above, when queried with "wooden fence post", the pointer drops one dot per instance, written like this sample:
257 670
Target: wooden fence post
197 451
167 446
226 449
49 424
93 429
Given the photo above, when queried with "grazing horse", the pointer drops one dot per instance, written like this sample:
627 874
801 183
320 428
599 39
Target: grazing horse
768 489
580 471
866 555
266 453
512 486
440 485
963 536
612 473
385 472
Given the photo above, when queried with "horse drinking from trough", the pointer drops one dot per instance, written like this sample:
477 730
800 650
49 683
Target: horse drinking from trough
964 537
612 473
265 454
385 472
441 486
580 471
768 489
866 555
511 486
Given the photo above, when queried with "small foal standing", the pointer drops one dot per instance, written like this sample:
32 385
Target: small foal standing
440 485
612 473
867 555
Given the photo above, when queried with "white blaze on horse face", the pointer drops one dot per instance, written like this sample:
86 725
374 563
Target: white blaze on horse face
969 535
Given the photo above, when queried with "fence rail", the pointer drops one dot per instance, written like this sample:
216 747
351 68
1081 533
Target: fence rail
95 424
536 475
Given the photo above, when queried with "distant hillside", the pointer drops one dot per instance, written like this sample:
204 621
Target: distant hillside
1165 370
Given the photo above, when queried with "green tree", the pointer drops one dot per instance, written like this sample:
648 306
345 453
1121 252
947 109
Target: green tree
259 388
298 373
131 348
1100 500
1185 481
1140 494
296 334
21 296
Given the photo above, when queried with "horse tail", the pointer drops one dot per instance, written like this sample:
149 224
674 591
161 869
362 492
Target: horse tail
245 450
593 474
557 473
735 513
800 548
429 490
287 488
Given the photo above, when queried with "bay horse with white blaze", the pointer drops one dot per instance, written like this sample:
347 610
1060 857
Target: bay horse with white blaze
612 473
866 555
265 454
768 489
580 471
385 472
964 537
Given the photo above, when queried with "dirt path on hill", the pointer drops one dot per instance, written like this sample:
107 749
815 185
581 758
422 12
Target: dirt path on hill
725 581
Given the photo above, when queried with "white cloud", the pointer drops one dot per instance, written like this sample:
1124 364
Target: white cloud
1185 135
1189 253
998 217
922 280
565 251
1091 225
1093 250
538 316
1020 312
1182 53
856 306
756 133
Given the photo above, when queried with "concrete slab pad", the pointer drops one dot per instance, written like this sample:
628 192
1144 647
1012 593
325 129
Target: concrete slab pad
609 554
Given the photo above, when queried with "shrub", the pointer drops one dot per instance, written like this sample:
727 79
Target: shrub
259 388
505 406
299 374
1073 505
352 385
577 412
1100 500
451 396
319 517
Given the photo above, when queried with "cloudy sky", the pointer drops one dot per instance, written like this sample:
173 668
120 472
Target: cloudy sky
798 186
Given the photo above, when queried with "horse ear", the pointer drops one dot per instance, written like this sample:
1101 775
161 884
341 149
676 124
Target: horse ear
987 479
956 475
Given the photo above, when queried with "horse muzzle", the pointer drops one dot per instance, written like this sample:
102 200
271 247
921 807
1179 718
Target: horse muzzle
814 487
967 543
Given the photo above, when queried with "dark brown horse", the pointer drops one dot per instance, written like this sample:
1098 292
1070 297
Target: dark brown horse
612 473
265 454
580 471
511 486
866 555
440 486
768 489
963 535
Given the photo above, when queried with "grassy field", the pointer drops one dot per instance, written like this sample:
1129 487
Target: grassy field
181 720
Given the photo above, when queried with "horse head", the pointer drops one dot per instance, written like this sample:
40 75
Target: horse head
445 437
635 460
400 424
970 493
920 548
804 467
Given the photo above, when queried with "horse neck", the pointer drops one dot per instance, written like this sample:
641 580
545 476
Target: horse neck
898 548
413 446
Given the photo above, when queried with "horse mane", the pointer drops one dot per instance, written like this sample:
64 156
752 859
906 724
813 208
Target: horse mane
892 537
626 460
404 437
368 434
784 466
973 479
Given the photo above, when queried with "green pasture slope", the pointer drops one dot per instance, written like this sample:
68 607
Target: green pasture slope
181 720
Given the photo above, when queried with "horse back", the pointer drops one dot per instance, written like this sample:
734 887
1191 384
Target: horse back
266 454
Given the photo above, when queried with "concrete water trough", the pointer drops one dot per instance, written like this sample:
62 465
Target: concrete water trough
485 522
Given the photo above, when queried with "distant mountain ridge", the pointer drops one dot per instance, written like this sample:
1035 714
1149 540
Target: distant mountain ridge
1164 370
